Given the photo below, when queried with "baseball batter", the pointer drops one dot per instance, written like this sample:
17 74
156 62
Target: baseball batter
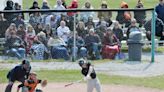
90 76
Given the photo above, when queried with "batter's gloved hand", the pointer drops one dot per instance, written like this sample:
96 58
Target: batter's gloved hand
87 77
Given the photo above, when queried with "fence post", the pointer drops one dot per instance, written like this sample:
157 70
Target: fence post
153 36
74 38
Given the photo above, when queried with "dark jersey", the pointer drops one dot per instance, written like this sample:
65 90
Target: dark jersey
85 71
18 73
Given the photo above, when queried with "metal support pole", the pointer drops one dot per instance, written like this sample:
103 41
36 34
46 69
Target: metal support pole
153 36
74 38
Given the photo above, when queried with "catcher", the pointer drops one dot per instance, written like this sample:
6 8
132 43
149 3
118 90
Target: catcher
31 83
90 76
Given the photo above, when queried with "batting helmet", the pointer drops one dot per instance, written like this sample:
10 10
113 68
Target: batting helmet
81 62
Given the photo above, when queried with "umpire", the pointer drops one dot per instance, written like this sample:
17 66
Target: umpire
18 73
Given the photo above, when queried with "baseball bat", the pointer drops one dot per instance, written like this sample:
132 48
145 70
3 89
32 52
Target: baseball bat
69 84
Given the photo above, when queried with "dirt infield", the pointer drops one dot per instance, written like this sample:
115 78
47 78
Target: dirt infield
59 87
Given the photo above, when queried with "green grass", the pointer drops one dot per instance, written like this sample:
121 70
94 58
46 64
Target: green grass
96 3
73 75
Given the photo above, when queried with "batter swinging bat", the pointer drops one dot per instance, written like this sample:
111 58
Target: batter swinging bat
78 81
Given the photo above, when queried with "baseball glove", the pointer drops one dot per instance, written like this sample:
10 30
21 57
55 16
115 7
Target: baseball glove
44 83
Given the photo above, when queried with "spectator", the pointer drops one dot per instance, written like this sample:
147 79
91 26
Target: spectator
18 7
140 15
59 6
93 44
73 5
3 26
88 27
159 32
124 16
21 33
51 20
85 15
42 38
39 28
30 35
34 6
133 27
15 46
48 31
110 45
11 28
101 29
19 20
63 31
19 73
106 15
38 49
117 30
79 50
63 18
35 19
64 4
45 6
58 48
90 21
9 16
160 10
80 28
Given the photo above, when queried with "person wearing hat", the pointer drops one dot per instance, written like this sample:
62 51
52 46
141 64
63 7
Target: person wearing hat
90 76
19 73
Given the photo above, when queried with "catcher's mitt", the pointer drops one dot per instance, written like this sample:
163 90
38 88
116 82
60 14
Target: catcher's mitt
44 83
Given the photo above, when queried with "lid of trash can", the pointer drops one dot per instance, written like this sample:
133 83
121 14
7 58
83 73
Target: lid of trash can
136 35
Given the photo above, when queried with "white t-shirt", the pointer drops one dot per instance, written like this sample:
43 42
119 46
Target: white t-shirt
63 33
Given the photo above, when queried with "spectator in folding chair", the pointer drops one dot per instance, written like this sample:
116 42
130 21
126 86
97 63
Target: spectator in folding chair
58 48
79 50
111 45
93 44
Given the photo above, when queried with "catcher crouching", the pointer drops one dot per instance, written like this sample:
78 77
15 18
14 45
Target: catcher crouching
31 83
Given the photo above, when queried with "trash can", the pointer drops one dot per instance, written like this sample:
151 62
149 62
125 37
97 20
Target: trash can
135 46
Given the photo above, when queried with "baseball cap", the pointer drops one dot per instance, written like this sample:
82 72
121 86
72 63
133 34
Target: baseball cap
81 62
